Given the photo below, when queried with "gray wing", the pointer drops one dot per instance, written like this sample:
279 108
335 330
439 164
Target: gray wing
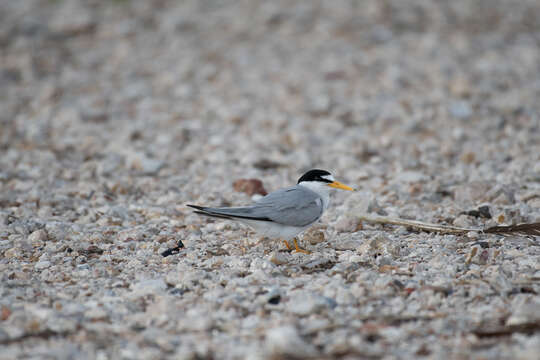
294 206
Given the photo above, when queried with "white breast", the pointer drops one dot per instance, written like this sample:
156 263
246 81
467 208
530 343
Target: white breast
273 230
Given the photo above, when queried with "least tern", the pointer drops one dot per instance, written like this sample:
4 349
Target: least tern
287 212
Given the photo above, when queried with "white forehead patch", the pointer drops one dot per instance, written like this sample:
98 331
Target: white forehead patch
328 177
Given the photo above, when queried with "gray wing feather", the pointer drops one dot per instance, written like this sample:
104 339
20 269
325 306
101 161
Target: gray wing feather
293 206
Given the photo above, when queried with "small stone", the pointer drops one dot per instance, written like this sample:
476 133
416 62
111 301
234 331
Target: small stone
460 86
42 265
273 297
146 165
305 304
111 164
526 312
96 314
173 278
529 347
259 263
92 251
278 258
411 177
347 223
250 186
265 164
319 105
12 253
58 231
471 192
468 157
483 257
462 221
346 244
5 313
284 341
460 109
130 235
377 245
482 211
314 236
72 19
148 287
471 255
37 237
61 324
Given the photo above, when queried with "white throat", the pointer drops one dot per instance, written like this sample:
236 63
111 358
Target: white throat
322 189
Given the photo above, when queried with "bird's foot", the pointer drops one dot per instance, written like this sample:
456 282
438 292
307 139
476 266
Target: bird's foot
296 247
299 249
289 247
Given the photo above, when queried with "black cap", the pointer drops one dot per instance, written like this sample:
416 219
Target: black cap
315 175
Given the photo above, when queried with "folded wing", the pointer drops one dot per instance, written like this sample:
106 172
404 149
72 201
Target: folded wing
294 206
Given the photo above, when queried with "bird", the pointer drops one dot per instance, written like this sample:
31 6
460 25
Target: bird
284 213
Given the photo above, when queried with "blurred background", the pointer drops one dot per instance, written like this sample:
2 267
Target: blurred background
225 89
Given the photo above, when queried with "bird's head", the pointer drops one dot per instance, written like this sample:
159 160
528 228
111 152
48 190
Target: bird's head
317 179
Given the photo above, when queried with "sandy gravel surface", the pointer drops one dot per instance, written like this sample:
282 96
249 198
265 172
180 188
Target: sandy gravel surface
115 114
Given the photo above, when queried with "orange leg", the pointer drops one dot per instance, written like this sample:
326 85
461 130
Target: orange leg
287 245
299 249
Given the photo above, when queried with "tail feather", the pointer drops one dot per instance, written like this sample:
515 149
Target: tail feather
212 215
201 208
224 213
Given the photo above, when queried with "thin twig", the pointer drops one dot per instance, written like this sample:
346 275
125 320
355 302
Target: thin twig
417 225
521 229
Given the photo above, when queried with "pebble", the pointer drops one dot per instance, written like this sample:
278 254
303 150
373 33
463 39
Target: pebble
72 19
278 258
460 109
347 223
12 253
319 105
273 296
411 177
37 237
62 325
110 165
314 236
304 304
96 314
42 265
524 311
249 186
148 287
146 165
285 341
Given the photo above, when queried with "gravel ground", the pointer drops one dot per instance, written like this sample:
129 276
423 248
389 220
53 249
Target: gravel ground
115 114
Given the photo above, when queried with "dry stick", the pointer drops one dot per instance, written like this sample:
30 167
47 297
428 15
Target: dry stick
522 229
417 225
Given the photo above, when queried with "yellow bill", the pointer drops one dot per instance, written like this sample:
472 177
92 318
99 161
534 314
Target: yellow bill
338 185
